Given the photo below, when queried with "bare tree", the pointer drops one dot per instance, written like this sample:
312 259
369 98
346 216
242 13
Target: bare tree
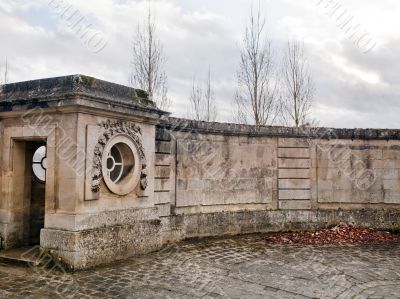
298 87
196 99
4 74
203 104
256 100
148 62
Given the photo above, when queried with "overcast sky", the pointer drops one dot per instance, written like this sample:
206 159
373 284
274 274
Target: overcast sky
354 88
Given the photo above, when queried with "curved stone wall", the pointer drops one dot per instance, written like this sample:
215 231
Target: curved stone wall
215 179
197 179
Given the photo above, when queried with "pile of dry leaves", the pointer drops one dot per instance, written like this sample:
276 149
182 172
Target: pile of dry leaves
341 234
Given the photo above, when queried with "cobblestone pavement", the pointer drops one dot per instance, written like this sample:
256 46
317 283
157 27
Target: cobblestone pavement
240 267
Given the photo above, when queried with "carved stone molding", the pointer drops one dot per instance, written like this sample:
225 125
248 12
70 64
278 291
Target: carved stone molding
114 128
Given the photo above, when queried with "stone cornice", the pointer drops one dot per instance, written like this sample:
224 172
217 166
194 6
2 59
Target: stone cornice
228 129
70 90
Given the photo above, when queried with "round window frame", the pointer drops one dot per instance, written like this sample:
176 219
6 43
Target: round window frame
131 182
41 163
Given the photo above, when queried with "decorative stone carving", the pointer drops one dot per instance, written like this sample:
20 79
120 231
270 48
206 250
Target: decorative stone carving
115 128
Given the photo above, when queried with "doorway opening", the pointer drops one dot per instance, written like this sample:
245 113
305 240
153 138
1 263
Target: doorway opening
38 192
30 165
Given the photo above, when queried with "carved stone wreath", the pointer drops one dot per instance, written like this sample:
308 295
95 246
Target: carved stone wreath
112 129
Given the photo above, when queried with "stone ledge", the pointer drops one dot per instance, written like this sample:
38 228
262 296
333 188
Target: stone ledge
247 222
229 129
85 249
81 222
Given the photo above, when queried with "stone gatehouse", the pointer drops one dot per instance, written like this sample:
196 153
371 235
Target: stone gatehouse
94 172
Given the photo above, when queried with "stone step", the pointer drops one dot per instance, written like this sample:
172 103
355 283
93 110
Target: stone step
24 256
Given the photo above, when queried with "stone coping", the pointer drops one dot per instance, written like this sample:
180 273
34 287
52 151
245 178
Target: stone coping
42 92
230 129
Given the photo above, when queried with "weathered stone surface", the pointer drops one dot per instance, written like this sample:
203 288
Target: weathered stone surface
242 222
210 173
197 179
103 245
350 173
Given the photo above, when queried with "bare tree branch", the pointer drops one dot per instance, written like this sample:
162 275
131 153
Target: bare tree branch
202 102
196 98
298 86
148 63
255 98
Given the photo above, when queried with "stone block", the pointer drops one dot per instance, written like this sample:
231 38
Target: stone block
162 134
85 249
163 147
294 194
294 142
294 163
162 184
164 159
294 184
162 197
162 172
294 153
67 195
294 173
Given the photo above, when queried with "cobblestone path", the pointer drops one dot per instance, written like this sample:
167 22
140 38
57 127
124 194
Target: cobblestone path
240 267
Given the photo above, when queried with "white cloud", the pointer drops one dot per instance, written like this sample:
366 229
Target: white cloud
353 89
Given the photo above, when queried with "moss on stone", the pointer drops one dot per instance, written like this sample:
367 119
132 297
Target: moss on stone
142 94
88 81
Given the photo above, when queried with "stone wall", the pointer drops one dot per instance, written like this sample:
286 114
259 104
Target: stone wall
231 179
189 179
